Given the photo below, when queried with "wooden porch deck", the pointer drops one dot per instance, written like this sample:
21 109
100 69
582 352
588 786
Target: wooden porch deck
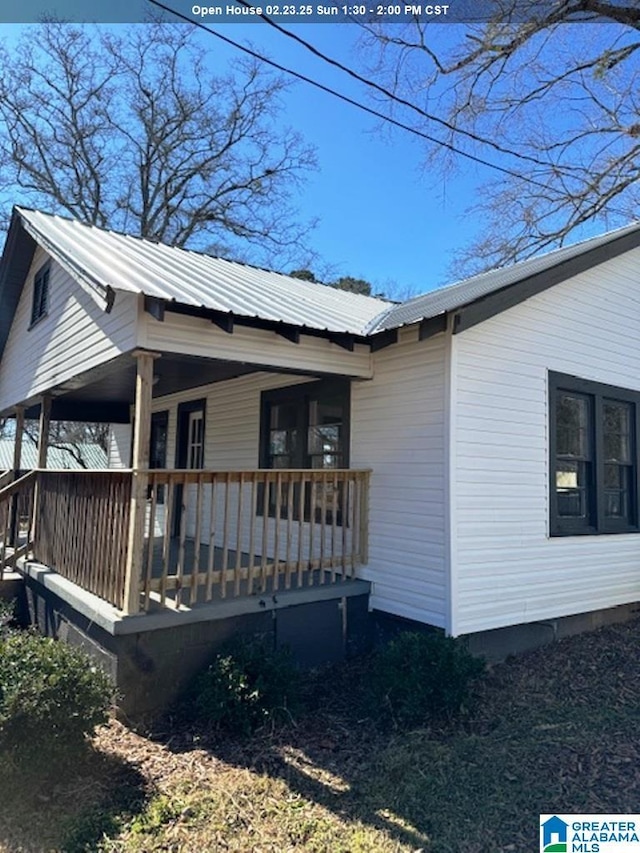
177 595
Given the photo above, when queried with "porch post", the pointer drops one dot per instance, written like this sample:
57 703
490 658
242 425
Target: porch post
17 453
140 466
43 434
17 445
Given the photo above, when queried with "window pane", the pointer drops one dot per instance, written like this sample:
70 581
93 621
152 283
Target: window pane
572 425
616 431
571 489
283 441
284 416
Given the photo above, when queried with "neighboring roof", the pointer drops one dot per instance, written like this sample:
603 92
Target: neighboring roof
122 262
57 457
589 252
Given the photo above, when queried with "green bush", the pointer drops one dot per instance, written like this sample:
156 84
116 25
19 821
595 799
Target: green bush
52 697
246 686
419 677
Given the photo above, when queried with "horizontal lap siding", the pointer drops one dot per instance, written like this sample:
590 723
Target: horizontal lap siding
508 570
397 430
76 334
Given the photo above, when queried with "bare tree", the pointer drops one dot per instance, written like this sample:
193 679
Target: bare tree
133 132
542 91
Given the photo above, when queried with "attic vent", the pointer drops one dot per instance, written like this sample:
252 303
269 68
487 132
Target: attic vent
40 302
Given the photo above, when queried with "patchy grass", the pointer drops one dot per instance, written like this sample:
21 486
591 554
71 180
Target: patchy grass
554 730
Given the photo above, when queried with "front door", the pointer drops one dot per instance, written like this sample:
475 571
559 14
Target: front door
190 444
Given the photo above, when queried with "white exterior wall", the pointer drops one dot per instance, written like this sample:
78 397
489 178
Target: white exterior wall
119 450
398 430
506 569
76 334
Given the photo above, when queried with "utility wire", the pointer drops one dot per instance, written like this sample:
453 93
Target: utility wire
392 96
346 99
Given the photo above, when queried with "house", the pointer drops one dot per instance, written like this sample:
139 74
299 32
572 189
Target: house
62 455
285 457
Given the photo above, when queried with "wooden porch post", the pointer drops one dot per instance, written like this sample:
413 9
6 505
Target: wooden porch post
17 445
43 433
17 453
140 465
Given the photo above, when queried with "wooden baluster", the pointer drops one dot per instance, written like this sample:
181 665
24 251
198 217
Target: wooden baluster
334 524
150 541
195 574
212 540
166 542
238 565
323 525
301 496
181 542
276 533
312 527
252 522
288 567
225 539
265 533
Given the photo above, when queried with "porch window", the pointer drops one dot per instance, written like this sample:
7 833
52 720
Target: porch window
40 301
594 457
305 426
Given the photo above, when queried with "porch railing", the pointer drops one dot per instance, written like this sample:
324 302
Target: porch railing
207 534
81 528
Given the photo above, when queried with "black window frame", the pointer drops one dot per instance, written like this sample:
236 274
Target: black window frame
40 295
596 521
301 396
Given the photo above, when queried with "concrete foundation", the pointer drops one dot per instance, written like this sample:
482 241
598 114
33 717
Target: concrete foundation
152 658
499 643
496 645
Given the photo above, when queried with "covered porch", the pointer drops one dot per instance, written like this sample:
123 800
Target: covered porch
145 540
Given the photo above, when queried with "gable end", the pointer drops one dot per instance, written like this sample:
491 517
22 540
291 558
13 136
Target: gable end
494 303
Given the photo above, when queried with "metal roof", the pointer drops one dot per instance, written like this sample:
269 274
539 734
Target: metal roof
111 260
471 289
58 458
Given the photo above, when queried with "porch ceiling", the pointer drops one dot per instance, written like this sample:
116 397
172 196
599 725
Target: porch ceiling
105 393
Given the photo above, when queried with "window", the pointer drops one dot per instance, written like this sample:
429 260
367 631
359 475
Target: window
594 457
40 302
305 426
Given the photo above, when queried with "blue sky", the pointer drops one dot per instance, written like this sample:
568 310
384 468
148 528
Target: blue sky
381 217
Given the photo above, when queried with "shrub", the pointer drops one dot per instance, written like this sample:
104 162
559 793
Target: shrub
7 617
51 699
246 686
421 676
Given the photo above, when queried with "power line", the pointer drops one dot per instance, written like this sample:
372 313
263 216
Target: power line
388 93
346 99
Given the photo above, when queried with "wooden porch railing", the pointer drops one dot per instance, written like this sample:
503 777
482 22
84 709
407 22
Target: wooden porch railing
218 534
81 528
207 535
16 519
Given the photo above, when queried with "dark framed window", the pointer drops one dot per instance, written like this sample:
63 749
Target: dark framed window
40 301
158 448
305 426
594 460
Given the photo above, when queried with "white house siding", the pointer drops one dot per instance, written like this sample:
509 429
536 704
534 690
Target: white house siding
200 337
397 430
507 569
76 334
119 449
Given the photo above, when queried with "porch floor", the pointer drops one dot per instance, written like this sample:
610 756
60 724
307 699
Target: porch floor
268 584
